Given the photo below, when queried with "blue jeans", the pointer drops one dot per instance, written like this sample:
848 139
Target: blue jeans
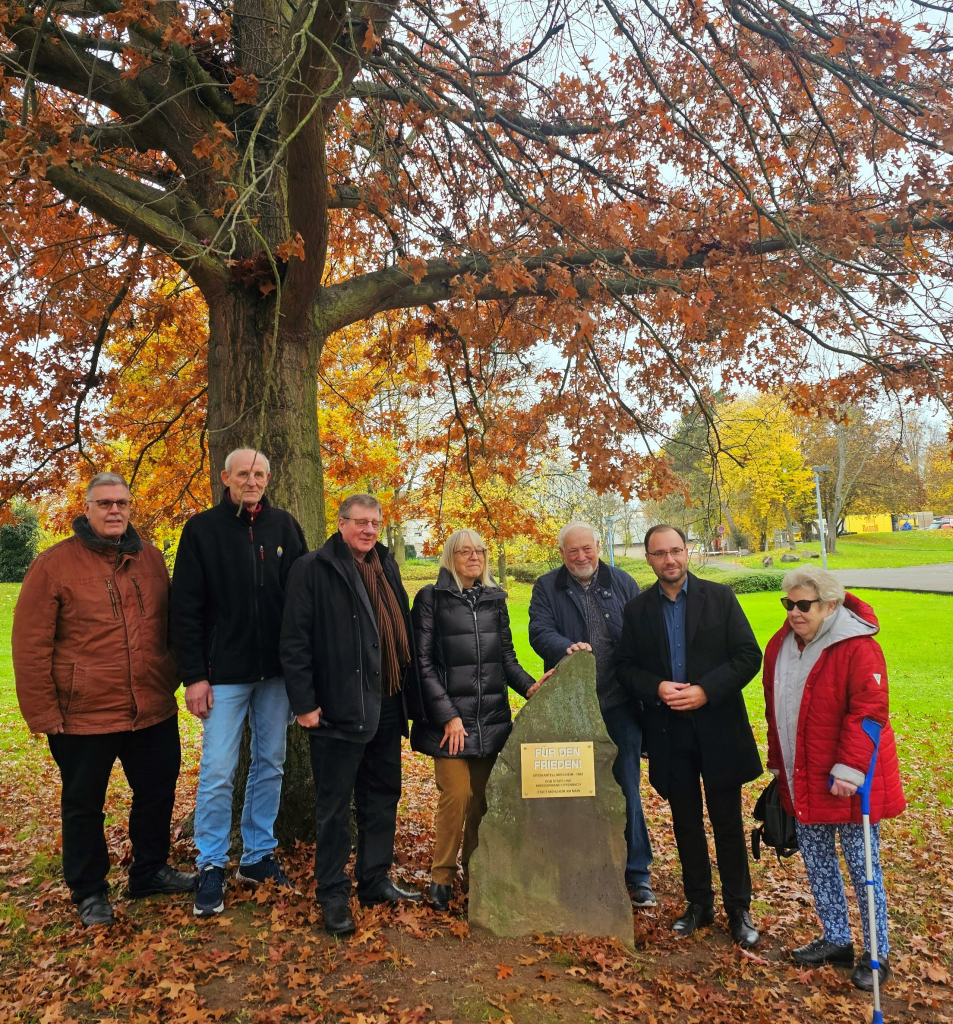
624 730
816 843
269 713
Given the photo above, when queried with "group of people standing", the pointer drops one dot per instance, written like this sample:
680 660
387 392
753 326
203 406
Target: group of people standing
260 629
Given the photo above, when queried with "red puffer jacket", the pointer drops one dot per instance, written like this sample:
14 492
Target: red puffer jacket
847 685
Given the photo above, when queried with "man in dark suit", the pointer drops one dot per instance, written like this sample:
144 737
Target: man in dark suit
687 651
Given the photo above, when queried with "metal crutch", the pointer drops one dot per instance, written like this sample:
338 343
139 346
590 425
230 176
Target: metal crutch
872 729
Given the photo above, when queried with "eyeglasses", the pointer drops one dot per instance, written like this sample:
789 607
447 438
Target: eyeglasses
466 552
802 606
363 524
122 504
674 552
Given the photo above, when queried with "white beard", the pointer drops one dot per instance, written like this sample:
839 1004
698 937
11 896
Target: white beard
582 574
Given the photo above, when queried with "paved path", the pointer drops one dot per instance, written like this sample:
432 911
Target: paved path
923 579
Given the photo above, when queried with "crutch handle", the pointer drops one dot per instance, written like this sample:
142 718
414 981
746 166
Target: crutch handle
873 730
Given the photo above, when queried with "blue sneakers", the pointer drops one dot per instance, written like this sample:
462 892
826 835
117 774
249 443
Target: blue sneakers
210 898
267 867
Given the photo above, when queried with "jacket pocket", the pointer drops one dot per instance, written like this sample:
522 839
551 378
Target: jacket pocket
78 691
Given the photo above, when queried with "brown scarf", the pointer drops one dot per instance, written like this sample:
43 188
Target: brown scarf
395 649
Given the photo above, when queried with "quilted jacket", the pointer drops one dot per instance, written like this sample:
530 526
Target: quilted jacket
846 685
467 661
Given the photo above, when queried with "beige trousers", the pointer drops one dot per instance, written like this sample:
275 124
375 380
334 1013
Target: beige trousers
461 782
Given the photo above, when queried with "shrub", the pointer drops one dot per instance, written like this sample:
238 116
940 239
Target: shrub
527 572
754 582
19 542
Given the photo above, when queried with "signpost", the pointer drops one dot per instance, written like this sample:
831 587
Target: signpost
817 470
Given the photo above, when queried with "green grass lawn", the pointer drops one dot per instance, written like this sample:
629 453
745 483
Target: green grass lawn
877 550
915 635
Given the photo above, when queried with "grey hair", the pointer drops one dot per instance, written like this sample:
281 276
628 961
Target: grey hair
362 500
812 577
230 458
450 546
105 480
577 524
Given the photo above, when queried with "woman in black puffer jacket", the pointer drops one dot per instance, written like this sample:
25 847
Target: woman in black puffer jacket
466 657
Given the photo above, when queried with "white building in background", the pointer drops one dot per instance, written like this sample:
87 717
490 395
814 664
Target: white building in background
416 534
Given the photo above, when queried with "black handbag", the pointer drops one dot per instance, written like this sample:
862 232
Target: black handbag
777 826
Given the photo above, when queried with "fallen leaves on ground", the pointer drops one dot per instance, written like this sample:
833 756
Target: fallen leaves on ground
267 960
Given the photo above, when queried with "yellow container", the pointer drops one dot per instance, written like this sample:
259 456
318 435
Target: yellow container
879 523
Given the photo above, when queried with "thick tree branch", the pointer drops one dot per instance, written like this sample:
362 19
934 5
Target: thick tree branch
394 288
110 199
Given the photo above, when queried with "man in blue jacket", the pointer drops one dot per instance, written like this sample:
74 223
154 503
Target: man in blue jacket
579 608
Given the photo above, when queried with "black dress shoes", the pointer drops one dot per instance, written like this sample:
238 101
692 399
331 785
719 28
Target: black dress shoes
94 910
863 976
440 896
337 917
165 881
391 893
742 929
696 916
820 951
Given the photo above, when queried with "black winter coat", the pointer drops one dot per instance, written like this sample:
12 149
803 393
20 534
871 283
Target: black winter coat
467 661
228 592
330 646
723 657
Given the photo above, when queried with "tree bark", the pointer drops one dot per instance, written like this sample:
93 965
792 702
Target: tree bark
792 542
263 394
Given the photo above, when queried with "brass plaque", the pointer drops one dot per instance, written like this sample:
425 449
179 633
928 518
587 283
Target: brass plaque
557 769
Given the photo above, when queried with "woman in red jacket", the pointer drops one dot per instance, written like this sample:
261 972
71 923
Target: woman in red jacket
824 673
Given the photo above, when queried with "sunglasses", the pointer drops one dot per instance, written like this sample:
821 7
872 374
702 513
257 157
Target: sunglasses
802 606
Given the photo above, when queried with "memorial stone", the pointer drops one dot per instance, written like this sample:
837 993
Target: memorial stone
552 847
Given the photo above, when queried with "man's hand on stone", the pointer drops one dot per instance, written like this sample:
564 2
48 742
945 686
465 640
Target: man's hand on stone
539 682
453 735
199 698
682 696
578 647
311 720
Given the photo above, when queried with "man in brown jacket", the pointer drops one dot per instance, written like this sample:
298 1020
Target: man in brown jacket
94 673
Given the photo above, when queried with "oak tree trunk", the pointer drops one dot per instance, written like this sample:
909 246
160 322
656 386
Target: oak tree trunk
263 394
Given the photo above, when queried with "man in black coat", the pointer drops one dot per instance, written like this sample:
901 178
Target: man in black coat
228 589
687 652
347 649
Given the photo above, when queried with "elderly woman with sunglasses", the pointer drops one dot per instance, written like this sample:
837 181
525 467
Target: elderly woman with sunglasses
824 673
467 661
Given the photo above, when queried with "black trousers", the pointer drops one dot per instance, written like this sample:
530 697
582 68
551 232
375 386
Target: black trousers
727 822
371 773
150 759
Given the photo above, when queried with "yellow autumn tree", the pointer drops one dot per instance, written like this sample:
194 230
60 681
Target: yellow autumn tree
762 471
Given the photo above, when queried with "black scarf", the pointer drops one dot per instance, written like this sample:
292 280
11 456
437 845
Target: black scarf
128 544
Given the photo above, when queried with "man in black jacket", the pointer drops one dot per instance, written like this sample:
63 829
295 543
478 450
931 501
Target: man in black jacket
687 652
347 649
231 570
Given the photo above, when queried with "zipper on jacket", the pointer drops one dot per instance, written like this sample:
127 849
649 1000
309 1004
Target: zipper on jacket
112 597
261 559
142 607
254 574
476 632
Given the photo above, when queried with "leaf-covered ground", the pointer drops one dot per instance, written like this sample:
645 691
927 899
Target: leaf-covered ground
267 958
